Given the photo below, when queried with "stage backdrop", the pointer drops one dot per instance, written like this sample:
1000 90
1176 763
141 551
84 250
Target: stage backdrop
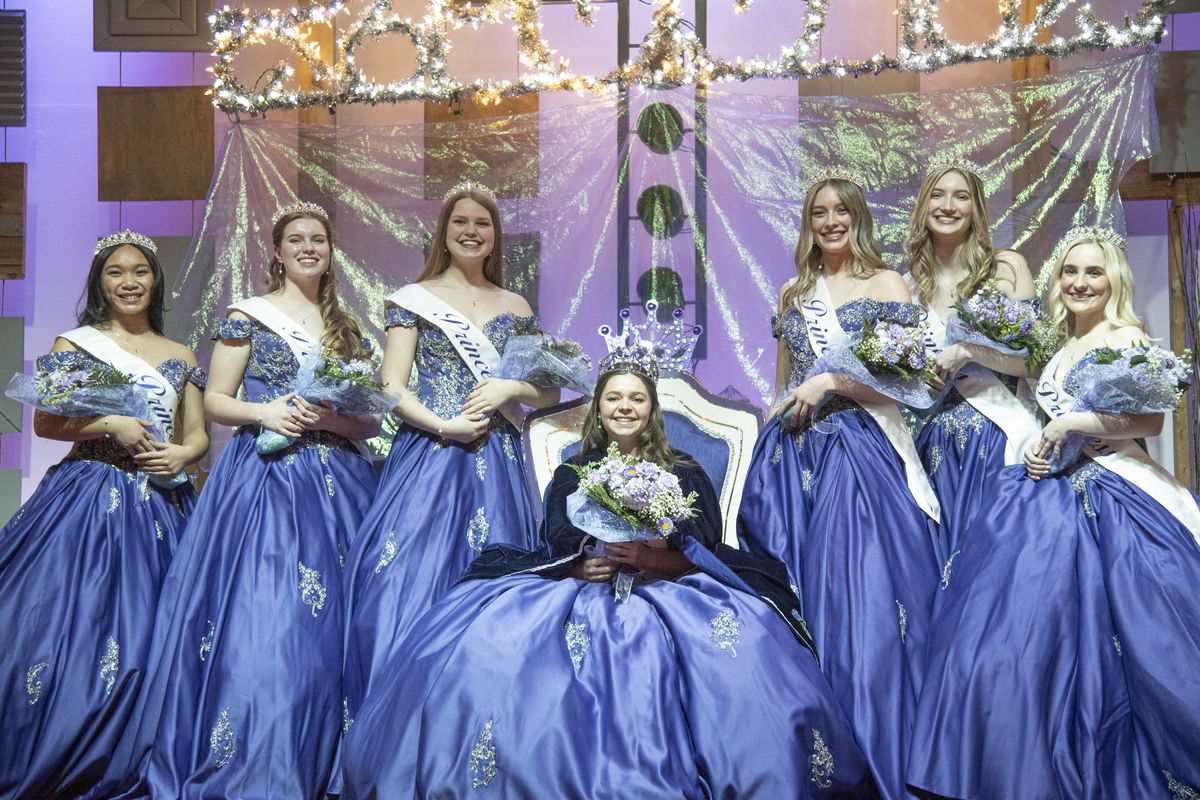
692 196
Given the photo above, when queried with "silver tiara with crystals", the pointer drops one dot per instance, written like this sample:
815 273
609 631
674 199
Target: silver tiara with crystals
299 207
126 237
1093 233
651 347
834 173
948 161
469 187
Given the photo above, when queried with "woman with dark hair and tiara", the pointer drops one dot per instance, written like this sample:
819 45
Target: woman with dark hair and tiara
454 479
1062 660
82 562
836 489
531 679
980 425
244 695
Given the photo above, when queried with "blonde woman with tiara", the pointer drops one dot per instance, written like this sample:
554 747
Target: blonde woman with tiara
980 425
1062 663
835 487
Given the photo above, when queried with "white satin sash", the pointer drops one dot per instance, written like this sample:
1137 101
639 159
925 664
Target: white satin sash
1124 457
824 333
473 347
301 343
160 395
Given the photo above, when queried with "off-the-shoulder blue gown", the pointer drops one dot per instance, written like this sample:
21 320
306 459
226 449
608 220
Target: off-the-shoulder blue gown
81 566
245 691
439 503
833 503
1064 651
527 683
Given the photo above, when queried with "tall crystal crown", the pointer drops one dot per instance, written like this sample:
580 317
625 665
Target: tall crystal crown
300 207
950 161
469 186
1092 232
650 347
834 173
126 237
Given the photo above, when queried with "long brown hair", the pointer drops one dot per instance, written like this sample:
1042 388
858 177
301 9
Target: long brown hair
342 334
977 253
867 258
439 257
652 445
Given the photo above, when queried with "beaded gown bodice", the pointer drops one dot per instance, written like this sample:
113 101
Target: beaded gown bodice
443 379
272 367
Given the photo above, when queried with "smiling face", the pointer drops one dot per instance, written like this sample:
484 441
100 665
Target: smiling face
950 207
830 219
624 409
1084 281
470 231
304 250
127 282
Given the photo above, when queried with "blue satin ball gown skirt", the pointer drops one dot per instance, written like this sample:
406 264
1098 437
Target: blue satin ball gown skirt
528 687
81 566
1063 658
963 453
438 504
245 689
832 503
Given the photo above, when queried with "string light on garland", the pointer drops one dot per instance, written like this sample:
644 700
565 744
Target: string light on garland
670 55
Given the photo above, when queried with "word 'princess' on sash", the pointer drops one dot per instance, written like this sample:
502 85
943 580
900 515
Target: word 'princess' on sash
825 333
472 346
1123 457
161 397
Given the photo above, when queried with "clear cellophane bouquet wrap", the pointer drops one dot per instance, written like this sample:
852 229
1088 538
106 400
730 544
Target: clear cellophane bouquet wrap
992 319
547 361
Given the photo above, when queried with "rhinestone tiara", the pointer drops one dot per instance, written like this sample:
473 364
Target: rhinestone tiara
126 237
1084 233
299 207
834 173
948 161
463 187
653 346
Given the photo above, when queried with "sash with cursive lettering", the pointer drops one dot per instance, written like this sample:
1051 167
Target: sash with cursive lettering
824 333
1123 457
298 340
161 397
472 346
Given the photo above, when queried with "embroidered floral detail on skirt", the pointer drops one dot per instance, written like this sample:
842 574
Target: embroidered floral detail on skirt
114 499
110 662
1179 791
206 641
312 591
33 683
946 569
483 759
221 741
477 530
578 642
822 762
726 632
903 612
388 553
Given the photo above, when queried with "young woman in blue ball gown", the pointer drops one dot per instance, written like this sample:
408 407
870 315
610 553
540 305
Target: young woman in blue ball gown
842 499
533 681
454 480
82 563
245 694
981 425
1062 662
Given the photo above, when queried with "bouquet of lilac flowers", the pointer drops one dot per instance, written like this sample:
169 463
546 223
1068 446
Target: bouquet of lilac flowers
625 499
92 390
1143 379
991 318
348 386
888 357
547 361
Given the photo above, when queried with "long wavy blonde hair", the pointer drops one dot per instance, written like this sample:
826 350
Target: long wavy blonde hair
977 254
342 334
1119 308
867 258
439 257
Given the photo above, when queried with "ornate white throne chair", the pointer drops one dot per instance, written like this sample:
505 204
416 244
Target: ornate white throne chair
717 432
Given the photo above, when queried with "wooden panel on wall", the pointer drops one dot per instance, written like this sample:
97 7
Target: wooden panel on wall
1177 95
154 142
152 25
12 357
12 220
503 158
13 77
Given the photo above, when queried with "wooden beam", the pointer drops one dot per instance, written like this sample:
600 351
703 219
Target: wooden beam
1183 427
1142 184
12 220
